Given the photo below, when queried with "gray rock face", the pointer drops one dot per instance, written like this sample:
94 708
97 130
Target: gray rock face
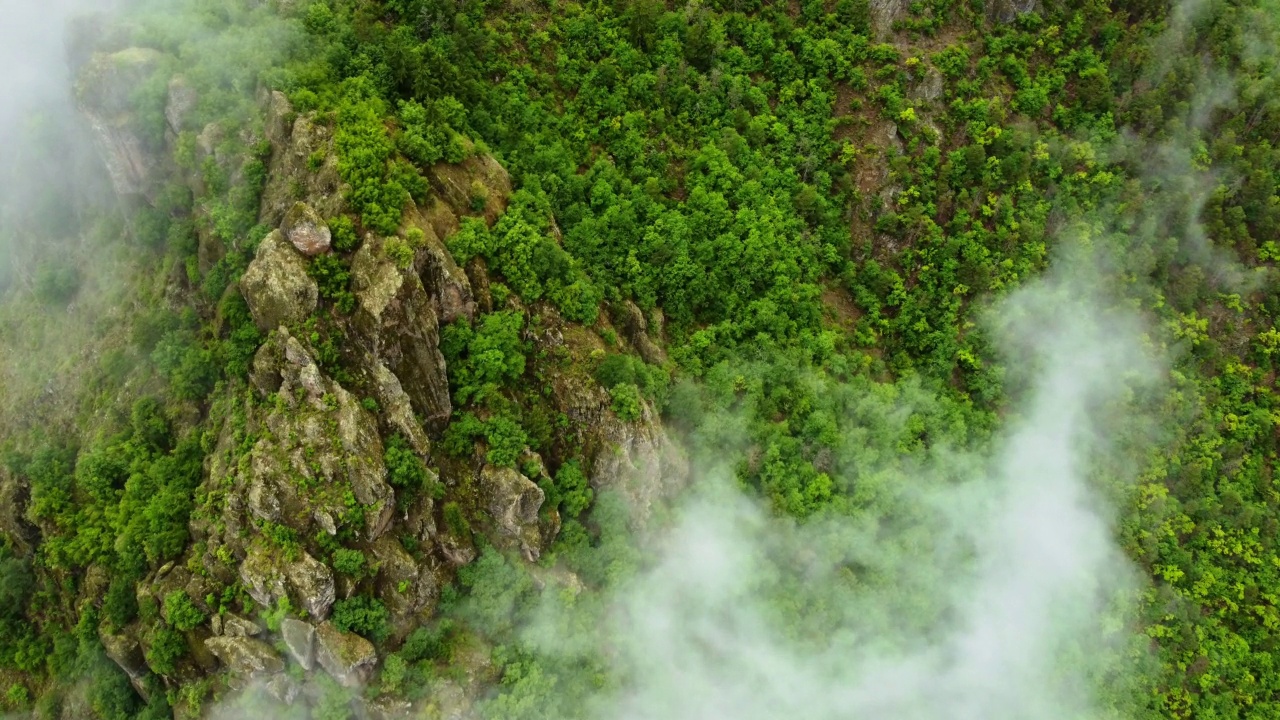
182 100
245 656
300 638
104 91
513 501
1006 11
348 658
276 285
306 230
927 88
884 13
397 326
235 626
313 582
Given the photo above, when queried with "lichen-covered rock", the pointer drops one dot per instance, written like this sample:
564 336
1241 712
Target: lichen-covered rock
408 590
397 326
283 688
235 626
306 230
321 445
276 285
105 91
303 166
262 576
125 651
268 576
513 501
313 582
445 282
300 639
348 658
246 657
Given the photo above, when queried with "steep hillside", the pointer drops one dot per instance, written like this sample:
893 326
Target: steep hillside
729 359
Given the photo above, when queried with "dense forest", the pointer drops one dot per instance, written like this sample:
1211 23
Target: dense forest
629 358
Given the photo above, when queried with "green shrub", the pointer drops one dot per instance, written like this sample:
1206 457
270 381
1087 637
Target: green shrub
349 562
626 401
364 616
333 278
181 612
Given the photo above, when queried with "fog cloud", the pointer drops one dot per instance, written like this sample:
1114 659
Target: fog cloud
1003 597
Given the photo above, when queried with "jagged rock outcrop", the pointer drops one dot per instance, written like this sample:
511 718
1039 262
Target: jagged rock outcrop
637 332
247 658
347 657
304 165
321 444
269 575
637 458
105 92
276 285
300 640
14 497
410 591
181 102
513 501
445 281
397 327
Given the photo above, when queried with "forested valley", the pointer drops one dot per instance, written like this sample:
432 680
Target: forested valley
640 359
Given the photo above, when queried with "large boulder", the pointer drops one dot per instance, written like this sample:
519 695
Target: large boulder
300 640
513 501
348 658
276 285
246 657
128 142
306 230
